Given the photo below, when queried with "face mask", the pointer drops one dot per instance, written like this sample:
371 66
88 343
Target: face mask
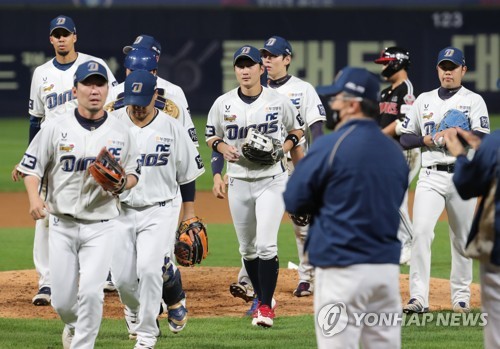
332 118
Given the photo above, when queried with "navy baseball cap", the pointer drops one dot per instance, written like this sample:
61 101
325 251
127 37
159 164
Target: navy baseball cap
451 54
144 41
141 58
88 69
140 87
63 22
249 52
358 82
277 46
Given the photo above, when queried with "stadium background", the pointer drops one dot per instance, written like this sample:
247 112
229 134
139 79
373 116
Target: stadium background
198 39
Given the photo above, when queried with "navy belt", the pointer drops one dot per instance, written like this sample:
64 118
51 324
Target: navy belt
446 168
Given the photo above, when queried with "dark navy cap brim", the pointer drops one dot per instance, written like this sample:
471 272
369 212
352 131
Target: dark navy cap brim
91 74
141 101
328 90
245 56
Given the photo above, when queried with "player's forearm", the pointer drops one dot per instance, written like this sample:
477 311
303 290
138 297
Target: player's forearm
292 140
32 183
131 181
316 129
188 210
410 141
35 125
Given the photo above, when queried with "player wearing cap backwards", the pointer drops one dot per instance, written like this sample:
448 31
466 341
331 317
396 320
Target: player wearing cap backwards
82 225
435 189
51 88
396 101
169 163
255 190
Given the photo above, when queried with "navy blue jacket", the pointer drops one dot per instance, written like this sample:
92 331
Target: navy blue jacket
473 178
354 199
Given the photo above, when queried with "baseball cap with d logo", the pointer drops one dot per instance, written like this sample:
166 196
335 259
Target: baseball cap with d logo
63 22
88 69
277 46
248 52
146 42
451 54
140 87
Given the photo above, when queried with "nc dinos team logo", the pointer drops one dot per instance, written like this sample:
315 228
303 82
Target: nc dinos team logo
332 319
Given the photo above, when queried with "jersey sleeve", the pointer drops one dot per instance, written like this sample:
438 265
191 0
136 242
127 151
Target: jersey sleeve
479 117
36 107
189 164
292 120
187 122
39 152
214 127
411 123
314 110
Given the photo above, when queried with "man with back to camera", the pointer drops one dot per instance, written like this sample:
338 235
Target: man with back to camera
352 181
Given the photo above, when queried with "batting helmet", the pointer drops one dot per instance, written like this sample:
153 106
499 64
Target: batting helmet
396 58
141 58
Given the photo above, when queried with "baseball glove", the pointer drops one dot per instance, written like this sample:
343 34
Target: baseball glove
108 173
454 118
262 149
300 219
191 244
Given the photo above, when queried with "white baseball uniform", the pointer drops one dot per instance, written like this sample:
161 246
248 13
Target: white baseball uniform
304 97
50 90
255 191
81 223
150 215
435 191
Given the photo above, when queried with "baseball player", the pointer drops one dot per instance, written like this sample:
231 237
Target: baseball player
353 246
395 102
276 57
255 190
146 59
169 163
479 177
51 87
435 189
81 212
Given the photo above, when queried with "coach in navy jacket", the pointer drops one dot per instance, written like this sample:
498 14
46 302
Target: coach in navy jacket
473 178
353 181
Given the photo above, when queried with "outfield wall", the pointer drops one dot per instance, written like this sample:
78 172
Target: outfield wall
198 44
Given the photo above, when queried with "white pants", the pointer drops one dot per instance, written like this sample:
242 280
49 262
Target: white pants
405 231
257 208
363 288
41 252
306 270
490 300
79 263
435 191
143 240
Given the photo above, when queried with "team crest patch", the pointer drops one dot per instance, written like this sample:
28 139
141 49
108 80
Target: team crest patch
66 147
230 118
427 116
48 88
484 122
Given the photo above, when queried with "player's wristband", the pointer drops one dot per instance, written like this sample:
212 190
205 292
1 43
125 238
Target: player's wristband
216 143
294 138
217 163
